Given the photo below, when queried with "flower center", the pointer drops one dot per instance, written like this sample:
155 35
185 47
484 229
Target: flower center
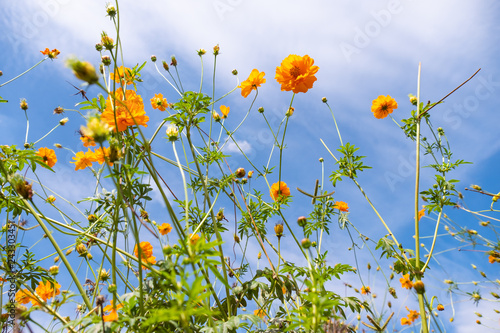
295 71
384 107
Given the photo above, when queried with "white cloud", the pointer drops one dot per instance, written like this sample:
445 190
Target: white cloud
238 147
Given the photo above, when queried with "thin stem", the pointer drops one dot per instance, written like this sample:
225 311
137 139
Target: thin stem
26 71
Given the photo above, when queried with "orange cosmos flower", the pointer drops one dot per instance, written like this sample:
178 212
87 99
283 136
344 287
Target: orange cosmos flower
24 296
279 191
159 103
255 79
225 111
123 74
113 315
411 317
51 54
147 253
165 228
83 160
406 282
193 239
46 291
260 313
365 290
296 73
129 107
383 105
342 206
421 213
87 141
101 154
48 156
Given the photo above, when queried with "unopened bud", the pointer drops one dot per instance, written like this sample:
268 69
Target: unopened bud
63 121
23 104
306 243
302 221
153 58
240 173
234 71
419 287
54 270
83 70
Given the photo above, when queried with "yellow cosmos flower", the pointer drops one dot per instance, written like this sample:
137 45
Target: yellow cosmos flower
113 315
165 228
193 239
122 74
87 141
46 290
159 103
296 73
48 155
147 253
129 107
255 79
279 191
421 213
51 54
406 282
383 105
365 290
101 154
259 312
83 160
24 296
342 206
225 111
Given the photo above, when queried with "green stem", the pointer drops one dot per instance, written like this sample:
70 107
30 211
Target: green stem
26 71
59 252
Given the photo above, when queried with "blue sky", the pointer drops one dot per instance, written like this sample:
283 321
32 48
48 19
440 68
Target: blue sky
364 49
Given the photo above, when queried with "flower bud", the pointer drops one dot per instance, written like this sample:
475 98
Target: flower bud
54 270
89 256
172 133
306 243
23 188
1 73
107 41
153 58
216 116
216 49
250 174
83 70
234 71
419 287
290 112
476 187
50 199
392 291
81 249
440 307
56 259
240 173
98 47
110 10
23 104
201 52
104 275
106 60
259 255
220 215
112 288
63 121
165 65
261 109
324 100
302 221
236 238
278 230
413 99
174 61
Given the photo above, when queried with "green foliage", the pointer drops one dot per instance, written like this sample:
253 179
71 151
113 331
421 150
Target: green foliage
349 164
